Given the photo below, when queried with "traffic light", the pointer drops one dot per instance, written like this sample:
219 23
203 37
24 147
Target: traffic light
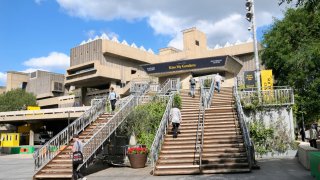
249 14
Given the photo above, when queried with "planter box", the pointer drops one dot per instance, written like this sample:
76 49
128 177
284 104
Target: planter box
303 153
315 164
137 160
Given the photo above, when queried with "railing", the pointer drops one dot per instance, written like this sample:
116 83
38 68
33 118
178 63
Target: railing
48 151
136 87
44 111
200 126
275 96
161 132
101 135
246 134
171 84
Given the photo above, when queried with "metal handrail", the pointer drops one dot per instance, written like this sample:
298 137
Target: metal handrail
200 126
102 134
272 97
49 150
161 132
243 126
170 84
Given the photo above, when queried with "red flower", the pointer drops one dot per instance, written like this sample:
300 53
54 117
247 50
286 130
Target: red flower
137 150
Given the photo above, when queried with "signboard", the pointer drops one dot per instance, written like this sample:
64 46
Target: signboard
185 65
249 79
33 108
266 80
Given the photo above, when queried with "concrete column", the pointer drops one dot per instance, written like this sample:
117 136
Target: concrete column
31 138
83 95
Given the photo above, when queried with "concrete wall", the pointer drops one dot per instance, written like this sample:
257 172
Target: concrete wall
271 115
43 84
15 80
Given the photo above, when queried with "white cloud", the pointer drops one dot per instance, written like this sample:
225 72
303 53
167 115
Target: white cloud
3 78
54 61
221 20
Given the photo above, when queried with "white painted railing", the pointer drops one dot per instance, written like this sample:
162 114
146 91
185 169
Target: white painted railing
275 96
161 132
44 111
48 151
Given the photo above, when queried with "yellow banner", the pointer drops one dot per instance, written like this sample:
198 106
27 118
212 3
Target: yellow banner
33 108
266 80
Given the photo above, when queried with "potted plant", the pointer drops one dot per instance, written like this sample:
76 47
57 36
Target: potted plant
137 156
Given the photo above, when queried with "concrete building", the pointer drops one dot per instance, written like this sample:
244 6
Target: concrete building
101 63
97 65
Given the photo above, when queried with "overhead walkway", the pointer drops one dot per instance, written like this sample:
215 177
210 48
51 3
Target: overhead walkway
44 114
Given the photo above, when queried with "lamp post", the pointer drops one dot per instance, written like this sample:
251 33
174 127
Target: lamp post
250 16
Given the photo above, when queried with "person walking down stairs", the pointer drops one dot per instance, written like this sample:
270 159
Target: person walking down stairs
175 116
77 157
113 99
192 86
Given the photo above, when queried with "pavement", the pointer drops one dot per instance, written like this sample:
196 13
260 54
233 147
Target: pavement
20 167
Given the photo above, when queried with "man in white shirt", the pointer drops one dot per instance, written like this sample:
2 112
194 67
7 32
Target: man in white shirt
217 79
175 116
113 99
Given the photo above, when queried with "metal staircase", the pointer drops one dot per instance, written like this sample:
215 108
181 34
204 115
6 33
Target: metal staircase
53 159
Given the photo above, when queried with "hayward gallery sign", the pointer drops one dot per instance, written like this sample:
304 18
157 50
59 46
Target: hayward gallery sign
185 65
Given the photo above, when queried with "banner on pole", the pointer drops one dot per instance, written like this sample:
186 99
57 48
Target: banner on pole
249 79
266 80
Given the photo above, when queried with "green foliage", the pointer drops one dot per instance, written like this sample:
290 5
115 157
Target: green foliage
292 51
275 138
262 137
144 122
177 101
207 83
14 100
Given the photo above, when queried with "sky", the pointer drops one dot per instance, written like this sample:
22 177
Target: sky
38 34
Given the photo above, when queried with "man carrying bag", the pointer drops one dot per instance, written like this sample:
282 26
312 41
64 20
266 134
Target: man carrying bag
77 157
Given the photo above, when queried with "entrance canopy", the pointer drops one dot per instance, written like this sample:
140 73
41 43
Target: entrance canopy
200 65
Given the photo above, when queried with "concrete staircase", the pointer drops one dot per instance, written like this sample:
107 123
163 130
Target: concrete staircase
60 167
223 149
177 155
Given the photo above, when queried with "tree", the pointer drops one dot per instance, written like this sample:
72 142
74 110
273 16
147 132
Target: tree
310 5
292 51
14 100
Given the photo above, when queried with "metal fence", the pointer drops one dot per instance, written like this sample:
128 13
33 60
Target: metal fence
275 96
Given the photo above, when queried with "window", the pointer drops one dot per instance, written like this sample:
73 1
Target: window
197 43
133 71
24 85
33 74
57 86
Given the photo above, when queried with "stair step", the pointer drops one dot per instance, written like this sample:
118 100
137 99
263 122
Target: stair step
54 176
219 171
54 170
179 171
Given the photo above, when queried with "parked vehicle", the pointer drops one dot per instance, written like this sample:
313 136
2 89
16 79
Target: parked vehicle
40 138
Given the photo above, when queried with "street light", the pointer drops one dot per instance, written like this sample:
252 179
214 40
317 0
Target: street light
250 16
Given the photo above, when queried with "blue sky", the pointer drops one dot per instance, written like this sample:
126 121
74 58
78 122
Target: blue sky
38 34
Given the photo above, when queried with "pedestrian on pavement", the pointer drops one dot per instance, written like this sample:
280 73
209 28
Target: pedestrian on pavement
175 116
192 86
303 134
313 136
113 99
218 79
77 157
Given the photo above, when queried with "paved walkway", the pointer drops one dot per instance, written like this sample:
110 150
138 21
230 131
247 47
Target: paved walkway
284 169
20 167
16 167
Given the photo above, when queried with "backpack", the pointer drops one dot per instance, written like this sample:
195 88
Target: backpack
193 81
77 157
